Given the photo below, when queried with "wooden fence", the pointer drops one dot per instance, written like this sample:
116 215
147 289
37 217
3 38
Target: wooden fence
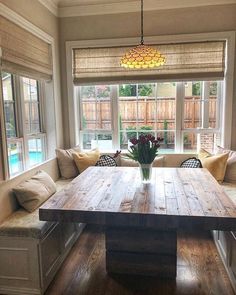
159 114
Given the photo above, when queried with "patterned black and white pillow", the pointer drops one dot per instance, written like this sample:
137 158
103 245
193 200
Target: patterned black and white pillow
191 163
106 160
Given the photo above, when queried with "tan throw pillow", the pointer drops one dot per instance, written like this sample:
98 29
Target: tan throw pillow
216 165
158 162
67 166
202 154
230 173
33 192
85 160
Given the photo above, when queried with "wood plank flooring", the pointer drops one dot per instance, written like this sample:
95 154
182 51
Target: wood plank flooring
200 270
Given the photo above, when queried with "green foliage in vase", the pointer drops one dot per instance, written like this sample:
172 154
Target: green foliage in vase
144 149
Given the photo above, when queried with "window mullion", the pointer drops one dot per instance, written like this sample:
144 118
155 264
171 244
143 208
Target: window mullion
42 116
219 106
114 100
41 104
156 111
205 104
137 117
179 119
78 114
21 120
4 173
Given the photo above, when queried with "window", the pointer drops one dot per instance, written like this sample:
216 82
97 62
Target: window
96 124
146 108
24 129
201 115
111 114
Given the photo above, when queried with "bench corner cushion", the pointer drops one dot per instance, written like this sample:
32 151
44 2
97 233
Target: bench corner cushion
24 224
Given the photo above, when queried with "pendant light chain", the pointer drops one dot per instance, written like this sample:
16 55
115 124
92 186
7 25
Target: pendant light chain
142 56
142 40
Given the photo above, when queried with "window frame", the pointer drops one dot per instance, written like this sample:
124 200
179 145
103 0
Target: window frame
22 136
179 131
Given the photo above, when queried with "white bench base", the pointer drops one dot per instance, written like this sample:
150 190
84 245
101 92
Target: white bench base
28 265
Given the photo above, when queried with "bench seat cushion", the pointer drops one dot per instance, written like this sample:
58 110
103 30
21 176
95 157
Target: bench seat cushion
24 224
230 190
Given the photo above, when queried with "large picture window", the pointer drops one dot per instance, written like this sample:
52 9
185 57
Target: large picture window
111 114
26 141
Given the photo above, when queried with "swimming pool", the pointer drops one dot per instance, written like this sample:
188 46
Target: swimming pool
15 162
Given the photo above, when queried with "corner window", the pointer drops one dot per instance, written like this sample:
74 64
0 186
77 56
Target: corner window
26 140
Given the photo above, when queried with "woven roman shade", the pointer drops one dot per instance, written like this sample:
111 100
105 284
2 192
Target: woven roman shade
183 61
24 53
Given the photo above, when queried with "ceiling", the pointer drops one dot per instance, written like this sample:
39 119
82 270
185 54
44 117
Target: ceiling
69 8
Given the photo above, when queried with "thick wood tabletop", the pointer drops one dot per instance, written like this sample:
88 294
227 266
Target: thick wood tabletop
115 196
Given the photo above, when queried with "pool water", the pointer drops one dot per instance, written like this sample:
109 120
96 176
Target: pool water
15 163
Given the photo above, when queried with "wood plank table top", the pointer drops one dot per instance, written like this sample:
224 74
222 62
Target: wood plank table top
115 196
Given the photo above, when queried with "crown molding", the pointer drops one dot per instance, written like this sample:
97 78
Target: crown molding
130 6
72 8
51 5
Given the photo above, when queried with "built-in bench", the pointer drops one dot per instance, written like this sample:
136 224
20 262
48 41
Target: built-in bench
31 251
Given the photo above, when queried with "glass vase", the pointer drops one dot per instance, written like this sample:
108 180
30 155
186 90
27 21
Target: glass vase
145 172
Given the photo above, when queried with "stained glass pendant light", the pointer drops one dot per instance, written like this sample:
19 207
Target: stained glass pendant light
142 56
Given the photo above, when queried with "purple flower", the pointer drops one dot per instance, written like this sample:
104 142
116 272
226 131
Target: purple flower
134 141
160 139
145 148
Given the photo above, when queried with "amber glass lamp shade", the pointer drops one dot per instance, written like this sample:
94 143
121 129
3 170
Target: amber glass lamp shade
142 57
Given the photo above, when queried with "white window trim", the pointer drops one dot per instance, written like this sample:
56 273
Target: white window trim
228 36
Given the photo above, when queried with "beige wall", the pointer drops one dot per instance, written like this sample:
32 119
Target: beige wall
41 17
164 22
36 13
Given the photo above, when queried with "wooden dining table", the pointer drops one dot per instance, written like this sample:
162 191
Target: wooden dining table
142 221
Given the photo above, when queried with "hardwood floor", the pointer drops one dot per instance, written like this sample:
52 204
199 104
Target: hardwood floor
200 270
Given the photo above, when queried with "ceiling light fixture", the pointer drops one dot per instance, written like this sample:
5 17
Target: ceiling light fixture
142 56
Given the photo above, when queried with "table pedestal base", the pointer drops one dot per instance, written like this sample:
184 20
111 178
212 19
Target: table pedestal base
141 252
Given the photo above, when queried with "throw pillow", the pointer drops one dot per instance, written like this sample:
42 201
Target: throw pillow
230 173
33 192
67 166
216 165
85 160
106 160
191 163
